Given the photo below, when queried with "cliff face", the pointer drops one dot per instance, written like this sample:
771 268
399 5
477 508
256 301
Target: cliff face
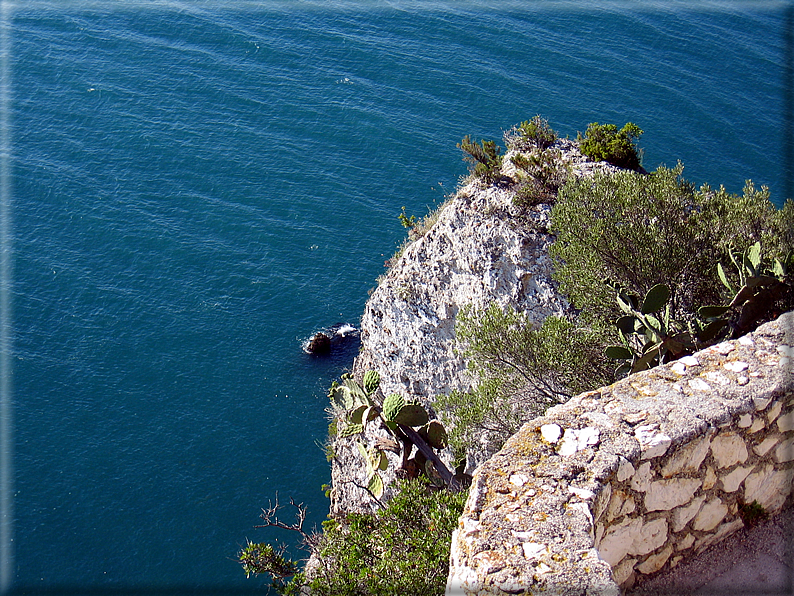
482 249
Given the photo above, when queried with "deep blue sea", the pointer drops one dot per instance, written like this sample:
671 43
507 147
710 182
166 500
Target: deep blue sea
198 186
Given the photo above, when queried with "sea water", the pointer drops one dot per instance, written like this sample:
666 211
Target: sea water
197 187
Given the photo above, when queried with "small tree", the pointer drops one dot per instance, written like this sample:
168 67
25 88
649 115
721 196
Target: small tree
486 163
604 142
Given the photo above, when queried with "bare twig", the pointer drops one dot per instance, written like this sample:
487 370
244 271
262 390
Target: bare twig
270 517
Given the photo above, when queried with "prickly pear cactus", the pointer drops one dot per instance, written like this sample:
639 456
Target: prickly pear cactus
392 406
371 381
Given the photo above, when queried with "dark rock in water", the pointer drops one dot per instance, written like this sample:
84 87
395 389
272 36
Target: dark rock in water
319 344
339 338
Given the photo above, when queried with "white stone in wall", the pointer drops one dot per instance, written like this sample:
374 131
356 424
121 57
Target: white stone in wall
624 571
764 446
709 478
728 449
717 377
656 561
687 458
625 470
689 361
758 424
550 433
642 478
736 366
785 451
617 541
652 442
664 495
534 550
786 423
732 481
619 497
761 402
650 537
745 420
682 515
518 479
774 412
769 487
582 493
710 515
685 542
577 439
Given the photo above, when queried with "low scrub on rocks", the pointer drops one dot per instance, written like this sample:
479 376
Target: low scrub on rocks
522 370
401 549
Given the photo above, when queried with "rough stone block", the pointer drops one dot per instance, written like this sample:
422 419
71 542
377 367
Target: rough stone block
758 424
728 449
785 451
685 542
687 458
710 515
642 478
786 423
664 495
769 487
774 412
682 515
745 420
625 470
656 561
617 541
764 446
732 481
650 537
652 442
624 571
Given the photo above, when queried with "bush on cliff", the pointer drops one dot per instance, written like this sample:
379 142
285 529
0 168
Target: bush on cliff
401 549
637 230
604 142
521 369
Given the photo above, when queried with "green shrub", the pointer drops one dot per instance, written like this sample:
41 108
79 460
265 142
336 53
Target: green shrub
401 549
522 370
530 134
638 230
540 176
604 142
486 163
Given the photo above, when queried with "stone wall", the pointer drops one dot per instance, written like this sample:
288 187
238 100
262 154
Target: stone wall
623 482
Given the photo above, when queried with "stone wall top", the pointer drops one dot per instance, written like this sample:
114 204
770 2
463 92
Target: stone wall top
620 482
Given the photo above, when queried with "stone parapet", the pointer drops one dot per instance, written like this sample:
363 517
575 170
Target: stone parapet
620 483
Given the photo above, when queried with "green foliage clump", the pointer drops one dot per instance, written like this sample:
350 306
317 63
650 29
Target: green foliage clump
534 133
522 370
753 513
540 176
604 142
401 549
485 159
635 231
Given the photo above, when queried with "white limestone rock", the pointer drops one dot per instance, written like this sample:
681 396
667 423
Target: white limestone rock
728 449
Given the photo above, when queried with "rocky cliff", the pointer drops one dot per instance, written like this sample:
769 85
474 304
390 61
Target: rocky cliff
481 249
